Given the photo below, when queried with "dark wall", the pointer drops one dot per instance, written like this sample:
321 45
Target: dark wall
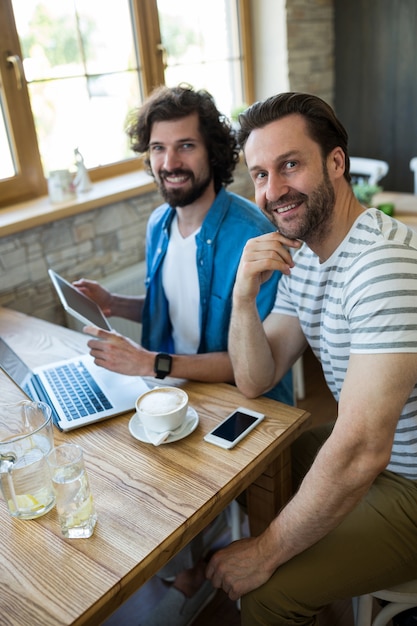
376 82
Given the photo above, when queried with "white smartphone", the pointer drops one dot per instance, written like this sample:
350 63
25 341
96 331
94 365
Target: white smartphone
234 427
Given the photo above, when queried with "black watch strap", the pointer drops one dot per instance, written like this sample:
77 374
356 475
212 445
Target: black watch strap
163 365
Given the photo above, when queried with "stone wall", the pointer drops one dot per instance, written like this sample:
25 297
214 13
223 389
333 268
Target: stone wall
310 41
94 244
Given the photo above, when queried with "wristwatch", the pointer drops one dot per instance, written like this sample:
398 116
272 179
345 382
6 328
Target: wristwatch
163 364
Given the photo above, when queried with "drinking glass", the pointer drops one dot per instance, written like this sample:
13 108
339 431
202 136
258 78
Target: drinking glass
74 501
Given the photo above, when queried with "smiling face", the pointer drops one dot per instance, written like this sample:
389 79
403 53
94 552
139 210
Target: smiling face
292 183
179 161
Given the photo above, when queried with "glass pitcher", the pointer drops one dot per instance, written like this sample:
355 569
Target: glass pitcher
26 437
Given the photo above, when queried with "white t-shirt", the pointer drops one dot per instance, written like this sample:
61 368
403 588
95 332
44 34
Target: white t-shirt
182 290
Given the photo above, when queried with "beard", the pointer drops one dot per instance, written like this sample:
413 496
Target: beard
317 218
183 197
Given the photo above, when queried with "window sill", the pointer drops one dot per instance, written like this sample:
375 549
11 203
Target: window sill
41 211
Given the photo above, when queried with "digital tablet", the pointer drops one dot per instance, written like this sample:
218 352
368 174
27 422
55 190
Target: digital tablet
77 304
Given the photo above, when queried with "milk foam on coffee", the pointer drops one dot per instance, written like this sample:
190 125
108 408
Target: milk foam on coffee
159 401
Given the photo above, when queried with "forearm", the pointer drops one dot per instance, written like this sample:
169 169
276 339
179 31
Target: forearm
120 354
212 367
249 351
323 500
128 307
357 451
318 507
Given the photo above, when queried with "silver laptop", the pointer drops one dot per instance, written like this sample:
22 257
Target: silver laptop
78 391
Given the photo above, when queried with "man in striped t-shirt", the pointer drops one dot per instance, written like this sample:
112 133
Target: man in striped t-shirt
349 291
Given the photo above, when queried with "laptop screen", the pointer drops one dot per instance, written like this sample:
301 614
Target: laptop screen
12 364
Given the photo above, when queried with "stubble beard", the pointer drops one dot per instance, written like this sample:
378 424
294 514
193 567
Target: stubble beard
318 216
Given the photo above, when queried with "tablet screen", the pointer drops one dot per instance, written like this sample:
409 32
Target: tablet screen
77 304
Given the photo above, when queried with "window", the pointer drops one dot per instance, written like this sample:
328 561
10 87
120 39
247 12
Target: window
7 168
202 43
71 71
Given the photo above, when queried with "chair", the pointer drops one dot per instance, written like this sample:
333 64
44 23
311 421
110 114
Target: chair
413 168
368 170
298 380
399 598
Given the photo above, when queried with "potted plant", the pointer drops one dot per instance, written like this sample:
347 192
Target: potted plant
365 192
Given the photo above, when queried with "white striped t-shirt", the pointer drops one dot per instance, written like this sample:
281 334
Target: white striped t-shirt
362 300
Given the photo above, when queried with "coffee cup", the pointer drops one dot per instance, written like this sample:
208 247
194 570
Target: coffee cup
162 409
61 186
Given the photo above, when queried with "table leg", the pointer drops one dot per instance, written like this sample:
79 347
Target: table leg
269 493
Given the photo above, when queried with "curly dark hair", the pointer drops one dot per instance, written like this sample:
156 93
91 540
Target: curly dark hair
165 104
323 125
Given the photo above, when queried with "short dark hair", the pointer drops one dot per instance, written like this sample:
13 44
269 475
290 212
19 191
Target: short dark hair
323 125
172 103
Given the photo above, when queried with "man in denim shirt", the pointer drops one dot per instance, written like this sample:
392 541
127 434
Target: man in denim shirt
229 223
193 246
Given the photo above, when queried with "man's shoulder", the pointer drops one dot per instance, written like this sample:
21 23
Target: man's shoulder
159 214
236 199
378 240
381 228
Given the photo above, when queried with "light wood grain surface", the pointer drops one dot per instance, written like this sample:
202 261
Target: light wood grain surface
403 202
151 501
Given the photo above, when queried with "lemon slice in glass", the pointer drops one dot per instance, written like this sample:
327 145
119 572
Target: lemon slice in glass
25 502
84 512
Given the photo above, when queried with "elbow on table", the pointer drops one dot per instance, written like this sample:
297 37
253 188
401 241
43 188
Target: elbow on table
250 389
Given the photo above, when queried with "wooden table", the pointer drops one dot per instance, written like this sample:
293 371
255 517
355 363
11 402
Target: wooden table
150 501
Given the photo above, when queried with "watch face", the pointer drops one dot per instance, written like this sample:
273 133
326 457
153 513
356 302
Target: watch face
164 363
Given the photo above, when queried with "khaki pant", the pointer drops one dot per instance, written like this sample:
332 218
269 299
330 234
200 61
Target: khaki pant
373 548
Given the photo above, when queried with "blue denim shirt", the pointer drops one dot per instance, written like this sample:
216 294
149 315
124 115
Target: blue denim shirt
229 223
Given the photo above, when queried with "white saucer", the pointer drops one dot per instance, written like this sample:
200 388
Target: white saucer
191 422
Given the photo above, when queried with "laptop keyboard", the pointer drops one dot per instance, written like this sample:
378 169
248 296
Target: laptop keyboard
78 393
